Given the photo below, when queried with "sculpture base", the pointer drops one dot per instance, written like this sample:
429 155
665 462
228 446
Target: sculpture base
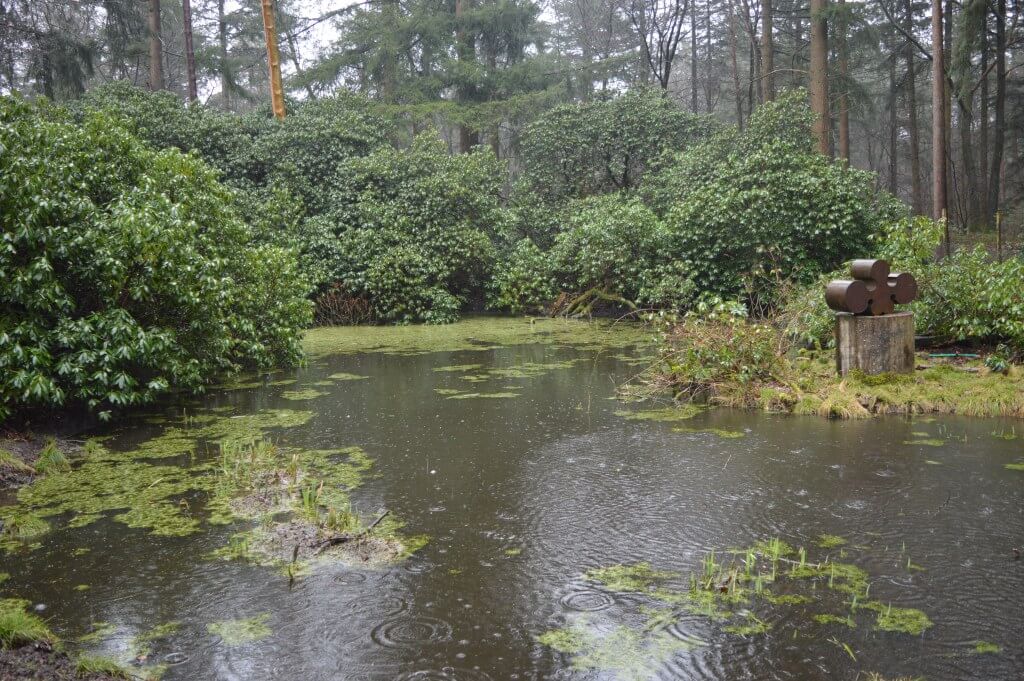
875 345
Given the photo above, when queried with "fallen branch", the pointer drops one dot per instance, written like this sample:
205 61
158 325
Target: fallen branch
346 538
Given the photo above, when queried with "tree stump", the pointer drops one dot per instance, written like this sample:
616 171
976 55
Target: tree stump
875 344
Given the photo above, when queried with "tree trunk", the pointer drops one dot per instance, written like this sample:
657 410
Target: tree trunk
938 117
970 178
844 73
983 126
156 50
916 186
693 56
190 55
819 75
998 128
466 51
767 52
735 66
893 129
273 61
225 73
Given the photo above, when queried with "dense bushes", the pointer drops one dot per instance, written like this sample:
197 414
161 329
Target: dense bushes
415 229
126 272
750 209
579 150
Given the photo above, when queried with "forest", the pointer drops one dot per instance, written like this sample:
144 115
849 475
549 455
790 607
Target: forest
187 186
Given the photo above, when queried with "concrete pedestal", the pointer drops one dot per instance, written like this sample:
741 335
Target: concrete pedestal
875 345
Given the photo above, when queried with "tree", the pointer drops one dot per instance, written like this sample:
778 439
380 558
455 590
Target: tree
818 75
939 120
659 25
156 50
767 52
190 55
273 60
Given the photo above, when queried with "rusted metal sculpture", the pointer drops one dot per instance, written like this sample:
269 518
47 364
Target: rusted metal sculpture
873 289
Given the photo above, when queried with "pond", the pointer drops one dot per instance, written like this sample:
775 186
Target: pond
569 535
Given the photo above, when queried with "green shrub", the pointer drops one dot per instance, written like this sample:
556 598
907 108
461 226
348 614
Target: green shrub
768 208
416 229
716 353
614 248
522 281
578 150
124 271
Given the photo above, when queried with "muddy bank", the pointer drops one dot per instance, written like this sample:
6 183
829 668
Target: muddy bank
20 455
40 662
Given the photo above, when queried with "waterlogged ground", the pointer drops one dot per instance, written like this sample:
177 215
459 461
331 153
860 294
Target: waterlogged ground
567 535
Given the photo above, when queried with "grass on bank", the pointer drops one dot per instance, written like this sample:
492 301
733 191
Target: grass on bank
733 362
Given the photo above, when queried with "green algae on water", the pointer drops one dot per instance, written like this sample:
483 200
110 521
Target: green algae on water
727 434
98 631
829 618
830 541
447 391
563 640
342 376
475 334
622 652
459 368
986 647
925 442
490 396
303 395
1014 466
237 632
902 620
679 413
628 578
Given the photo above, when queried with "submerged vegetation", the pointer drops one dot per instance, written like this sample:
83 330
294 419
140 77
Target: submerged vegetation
738 592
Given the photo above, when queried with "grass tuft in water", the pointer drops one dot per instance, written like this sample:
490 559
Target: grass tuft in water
12 463
19 627
51 460
97 664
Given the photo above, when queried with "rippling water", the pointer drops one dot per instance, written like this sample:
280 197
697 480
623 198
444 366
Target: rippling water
522 494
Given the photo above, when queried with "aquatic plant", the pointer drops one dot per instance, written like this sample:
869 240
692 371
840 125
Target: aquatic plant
678 413
1014 466
720 432
302 395
563 640
829 618
342 376
18 626
98 631
986 647
926 442
830 541
904 620
626 578
239 631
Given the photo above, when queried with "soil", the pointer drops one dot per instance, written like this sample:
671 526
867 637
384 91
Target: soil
280 542
38 661
26 447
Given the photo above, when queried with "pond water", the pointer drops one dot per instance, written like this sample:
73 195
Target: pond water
502 441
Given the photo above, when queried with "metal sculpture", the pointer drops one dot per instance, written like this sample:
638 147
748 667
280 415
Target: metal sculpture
873 290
